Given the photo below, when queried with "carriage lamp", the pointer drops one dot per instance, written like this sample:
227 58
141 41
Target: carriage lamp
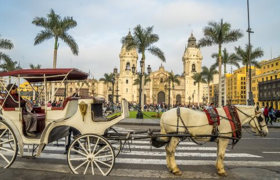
149 69
133 69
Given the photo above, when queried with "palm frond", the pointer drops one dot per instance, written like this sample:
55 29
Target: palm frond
5 57
42 36
6 44
157 52
71 43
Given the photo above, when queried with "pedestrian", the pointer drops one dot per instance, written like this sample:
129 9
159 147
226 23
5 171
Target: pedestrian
271 114
265 113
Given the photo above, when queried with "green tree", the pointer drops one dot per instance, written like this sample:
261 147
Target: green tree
108 79
242 56
172 80
9 65
208 74
226 59
32 66
146 79
219 34
198 78
143 40
56 27
7 45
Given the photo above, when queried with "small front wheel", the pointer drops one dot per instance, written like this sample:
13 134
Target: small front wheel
8 145
91 154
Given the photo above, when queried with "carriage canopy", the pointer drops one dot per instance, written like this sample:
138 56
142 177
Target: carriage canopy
37 75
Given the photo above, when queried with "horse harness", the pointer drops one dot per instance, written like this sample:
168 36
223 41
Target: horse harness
232 117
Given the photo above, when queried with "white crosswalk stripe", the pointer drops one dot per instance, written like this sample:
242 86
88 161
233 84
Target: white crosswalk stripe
139 152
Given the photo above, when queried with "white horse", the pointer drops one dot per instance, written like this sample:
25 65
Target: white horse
197 124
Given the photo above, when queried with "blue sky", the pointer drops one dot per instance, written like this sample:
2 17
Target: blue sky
102 24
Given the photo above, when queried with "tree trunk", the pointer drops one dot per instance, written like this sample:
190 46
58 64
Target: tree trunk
143 81
220 76
208 93
55 52
198 93
225 86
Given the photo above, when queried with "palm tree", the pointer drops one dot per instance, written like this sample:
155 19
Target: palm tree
208 74
32 66
55 27
242 56
146 79
5 44
198 78
108 78
143 40
172 80
226 59
9 65
219 34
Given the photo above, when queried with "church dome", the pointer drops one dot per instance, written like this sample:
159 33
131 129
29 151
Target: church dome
192 41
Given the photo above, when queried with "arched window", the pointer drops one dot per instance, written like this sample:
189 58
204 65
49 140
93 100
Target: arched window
193 68
127 67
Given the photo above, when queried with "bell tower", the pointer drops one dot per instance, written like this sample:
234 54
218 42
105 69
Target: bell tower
128 62
192 60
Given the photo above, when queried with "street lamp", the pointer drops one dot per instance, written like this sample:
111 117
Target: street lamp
139 114
249 30
190 100
116 78
149 69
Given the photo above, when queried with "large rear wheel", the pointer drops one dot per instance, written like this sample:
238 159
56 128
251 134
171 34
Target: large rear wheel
91 154
8 145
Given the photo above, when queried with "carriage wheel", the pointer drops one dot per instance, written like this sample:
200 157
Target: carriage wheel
8 145
116 143
91 154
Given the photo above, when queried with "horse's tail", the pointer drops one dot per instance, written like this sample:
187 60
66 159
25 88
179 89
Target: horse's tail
160 141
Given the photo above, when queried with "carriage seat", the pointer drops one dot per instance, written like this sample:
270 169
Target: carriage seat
64 103
6 108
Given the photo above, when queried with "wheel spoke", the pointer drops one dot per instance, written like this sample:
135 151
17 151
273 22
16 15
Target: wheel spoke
79 152
92 168
80 165
83 147
103 163
7 149
86 168
4 158
103 156
89 148
95 146
99 168
3 142
3 132
101 150
77 159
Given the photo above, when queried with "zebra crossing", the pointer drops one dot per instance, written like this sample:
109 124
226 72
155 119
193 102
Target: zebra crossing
139 159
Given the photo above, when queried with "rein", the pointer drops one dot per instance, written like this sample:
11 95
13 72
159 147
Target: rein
260 128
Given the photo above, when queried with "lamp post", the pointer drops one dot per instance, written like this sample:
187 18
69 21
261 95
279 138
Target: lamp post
190 100
193 98
139 114
116 81
249 30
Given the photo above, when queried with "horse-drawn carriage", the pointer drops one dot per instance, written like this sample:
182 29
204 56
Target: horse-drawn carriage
53 123
91 152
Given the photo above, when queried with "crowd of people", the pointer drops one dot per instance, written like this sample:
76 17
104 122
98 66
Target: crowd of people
270 114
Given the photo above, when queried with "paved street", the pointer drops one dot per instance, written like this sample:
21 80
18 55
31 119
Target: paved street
252 158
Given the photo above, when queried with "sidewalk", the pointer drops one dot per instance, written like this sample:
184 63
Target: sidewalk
155 122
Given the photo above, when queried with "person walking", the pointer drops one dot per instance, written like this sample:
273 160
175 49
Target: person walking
271 114
265 113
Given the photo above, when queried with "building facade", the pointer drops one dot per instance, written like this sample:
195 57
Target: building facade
157 90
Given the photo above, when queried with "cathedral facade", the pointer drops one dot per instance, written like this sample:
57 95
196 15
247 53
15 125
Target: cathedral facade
156 89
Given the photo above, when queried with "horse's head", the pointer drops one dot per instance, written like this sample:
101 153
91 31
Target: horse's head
248 114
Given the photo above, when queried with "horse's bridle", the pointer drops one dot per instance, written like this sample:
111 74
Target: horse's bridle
259 127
